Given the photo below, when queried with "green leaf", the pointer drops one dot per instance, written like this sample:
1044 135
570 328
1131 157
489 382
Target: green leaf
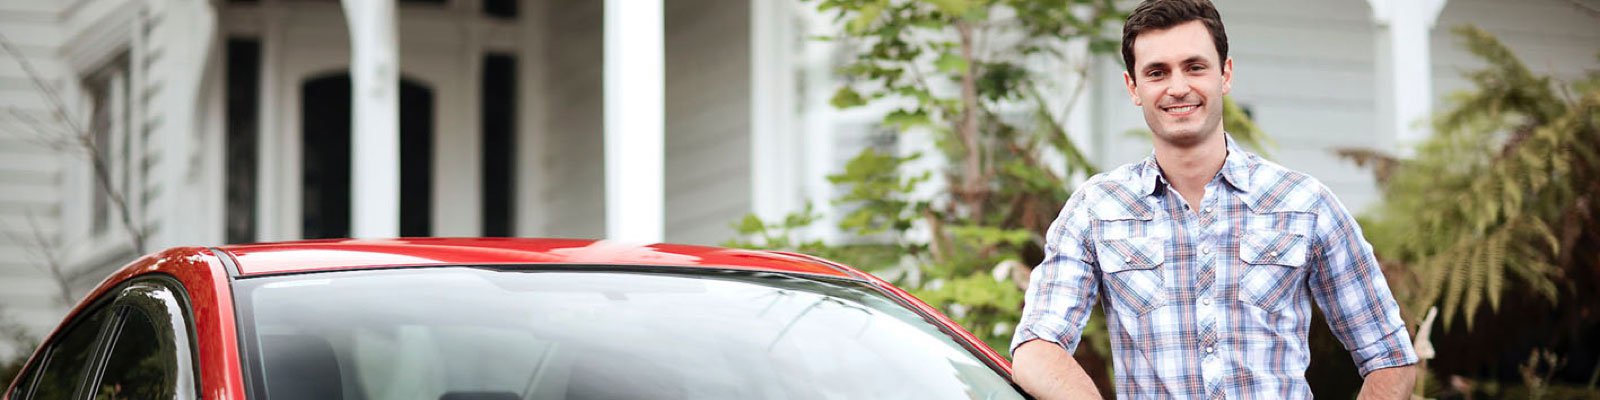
750 224
951 63
904 119
865 17
952 7
846 97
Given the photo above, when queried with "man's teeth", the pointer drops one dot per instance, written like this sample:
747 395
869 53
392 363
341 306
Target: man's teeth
1183 109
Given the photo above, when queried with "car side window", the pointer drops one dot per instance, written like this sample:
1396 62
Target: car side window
140 366
148 352
65 366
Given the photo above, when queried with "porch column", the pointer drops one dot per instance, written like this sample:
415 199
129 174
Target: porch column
775 150
635 108
375 119
1405 68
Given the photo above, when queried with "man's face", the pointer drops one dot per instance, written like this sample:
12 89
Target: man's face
1179 82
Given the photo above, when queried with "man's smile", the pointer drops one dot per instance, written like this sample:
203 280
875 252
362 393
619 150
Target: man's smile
1181 110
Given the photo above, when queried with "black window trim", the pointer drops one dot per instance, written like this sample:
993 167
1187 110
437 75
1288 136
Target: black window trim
171 285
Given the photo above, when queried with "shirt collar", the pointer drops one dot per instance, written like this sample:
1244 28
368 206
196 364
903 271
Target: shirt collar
1235 169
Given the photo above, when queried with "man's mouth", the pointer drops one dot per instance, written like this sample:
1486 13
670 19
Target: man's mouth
1180 110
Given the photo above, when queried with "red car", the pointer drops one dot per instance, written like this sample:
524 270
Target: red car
503 319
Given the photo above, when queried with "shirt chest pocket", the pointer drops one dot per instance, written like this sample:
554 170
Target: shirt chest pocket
1132 273
1273 267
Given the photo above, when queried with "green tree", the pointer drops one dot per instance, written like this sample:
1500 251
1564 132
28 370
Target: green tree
1505 187
1498 206
988 81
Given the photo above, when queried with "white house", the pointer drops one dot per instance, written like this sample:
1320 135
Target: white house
229 120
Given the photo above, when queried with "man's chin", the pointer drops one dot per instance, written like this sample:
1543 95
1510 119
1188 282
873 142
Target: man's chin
1183 137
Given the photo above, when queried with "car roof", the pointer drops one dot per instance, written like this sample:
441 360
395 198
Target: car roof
358 254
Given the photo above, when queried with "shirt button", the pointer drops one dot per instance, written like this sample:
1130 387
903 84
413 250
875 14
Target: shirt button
1210 350
1205 301
1208 210
1207 250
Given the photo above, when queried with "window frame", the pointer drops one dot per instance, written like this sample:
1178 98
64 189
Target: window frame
109 103
179 308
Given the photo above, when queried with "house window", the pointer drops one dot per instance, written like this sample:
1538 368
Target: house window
244 87
110 116
325 139
499 144
500 8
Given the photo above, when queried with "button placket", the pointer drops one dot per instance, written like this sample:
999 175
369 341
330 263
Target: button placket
1212 265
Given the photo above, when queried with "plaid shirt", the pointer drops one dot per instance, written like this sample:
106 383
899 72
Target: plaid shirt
1213 303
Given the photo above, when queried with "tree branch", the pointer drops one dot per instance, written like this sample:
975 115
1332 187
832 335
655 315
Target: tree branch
84 139
1592 11
972 182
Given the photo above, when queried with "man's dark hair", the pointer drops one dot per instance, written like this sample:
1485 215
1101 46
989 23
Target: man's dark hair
1165 14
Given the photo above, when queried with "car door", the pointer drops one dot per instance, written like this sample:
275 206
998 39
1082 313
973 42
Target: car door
140 348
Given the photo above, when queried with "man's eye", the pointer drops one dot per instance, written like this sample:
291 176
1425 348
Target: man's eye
1197 67
1155 74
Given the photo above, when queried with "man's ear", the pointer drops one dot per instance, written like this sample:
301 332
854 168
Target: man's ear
1128 80
1227 75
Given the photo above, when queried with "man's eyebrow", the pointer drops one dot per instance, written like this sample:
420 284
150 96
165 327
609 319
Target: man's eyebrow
1153 66
1196 60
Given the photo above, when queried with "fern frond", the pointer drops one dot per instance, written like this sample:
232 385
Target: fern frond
1456 288
1494 273
1477 269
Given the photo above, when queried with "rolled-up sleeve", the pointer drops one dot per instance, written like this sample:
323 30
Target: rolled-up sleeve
1062 288
1349 286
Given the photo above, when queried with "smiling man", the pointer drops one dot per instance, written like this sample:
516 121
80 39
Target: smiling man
1208 257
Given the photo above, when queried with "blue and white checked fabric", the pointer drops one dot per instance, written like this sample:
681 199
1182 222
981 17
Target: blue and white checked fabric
1215 302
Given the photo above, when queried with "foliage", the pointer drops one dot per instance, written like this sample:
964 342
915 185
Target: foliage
985 81
988 81
1505 188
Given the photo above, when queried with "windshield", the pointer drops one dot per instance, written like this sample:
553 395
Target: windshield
476 333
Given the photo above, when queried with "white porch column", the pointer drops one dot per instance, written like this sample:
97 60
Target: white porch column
774 149
635 120
375 120
273 180
1405 67
819 143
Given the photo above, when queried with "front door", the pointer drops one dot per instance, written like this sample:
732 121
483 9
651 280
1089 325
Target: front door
305 116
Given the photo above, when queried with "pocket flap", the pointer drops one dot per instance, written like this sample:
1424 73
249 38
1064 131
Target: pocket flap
1272 247
1131 253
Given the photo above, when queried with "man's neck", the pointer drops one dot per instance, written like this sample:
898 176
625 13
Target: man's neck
1189 168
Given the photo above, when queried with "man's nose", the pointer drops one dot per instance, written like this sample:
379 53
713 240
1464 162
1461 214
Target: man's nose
1178 86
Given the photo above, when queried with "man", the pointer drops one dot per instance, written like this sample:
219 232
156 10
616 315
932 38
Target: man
1207 256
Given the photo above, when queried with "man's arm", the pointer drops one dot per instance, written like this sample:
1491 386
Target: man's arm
1047 372
1389 383
1061 291
1349 286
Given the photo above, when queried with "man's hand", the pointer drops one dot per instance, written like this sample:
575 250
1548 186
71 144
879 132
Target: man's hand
1047 372
1392 383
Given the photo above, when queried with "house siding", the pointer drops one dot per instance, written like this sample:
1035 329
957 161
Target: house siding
1550 36
572 156
30 170
707 119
